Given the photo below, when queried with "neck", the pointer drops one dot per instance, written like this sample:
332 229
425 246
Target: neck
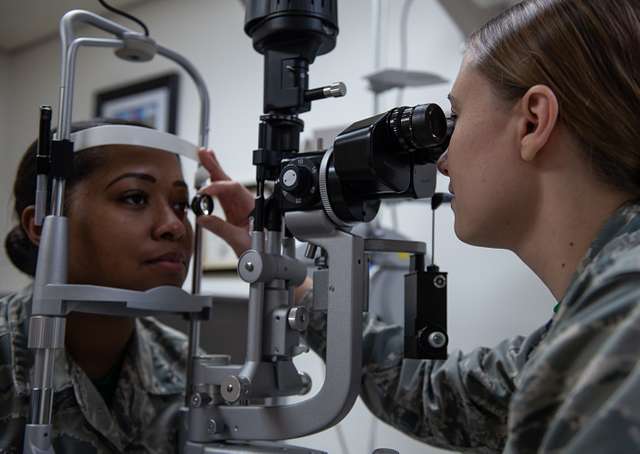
562 231
97 342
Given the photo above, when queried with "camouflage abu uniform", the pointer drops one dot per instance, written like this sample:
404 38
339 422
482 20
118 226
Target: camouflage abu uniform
143 415
570 387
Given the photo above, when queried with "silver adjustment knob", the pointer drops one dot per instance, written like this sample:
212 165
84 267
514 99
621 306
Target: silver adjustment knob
289 178
298 318
335 90
437 339
234 387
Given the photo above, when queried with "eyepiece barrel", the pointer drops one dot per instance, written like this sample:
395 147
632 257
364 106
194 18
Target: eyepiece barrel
419 127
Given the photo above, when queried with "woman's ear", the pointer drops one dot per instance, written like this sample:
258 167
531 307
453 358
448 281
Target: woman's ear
28 220
539 113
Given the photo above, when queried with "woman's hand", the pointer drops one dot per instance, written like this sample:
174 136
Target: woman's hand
236 201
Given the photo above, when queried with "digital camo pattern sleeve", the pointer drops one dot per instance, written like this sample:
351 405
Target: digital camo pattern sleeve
460 403
143 416
581 391
14 373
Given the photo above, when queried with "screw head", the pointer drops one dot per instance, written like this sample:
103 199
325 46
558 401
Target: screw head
248 266
437 339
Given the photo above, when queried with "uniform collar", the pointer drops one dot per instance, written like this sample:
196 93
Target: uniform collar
622 225
18 310
159 355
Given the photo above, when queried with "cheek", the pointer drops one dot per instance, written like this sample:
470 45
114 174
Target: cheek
486 181
478 146
107 237
495 210
189 234
115 230
466 159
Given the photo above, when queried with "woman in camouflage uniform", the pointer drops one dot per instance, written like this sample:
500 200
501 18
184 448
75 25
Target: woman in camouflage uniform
120 382
545 162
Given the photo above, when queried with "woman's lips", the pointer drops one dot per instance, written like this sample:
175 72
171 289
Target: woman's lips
172 262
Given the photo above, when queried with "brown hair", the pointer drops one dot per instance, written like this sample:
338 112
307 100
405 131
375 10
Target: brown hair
20 250
588 53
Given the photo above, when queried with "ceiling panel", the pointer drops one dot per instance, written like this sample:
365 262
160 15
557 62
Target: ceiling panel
25 22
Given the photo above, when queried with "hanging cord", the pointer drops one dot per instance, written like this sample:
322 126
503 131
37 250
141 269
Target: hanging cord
404 43
125 14
433 236
393 207
373 434
437 199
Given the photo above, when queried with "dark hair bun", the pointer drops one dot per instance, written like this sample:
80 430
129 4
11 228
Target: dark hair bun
21 251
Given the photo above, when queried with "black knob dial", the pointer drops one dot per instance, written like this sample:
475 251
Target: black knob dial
295 179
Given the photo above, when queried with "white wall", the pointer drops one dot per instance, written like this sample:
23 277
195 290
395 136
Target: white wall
491 294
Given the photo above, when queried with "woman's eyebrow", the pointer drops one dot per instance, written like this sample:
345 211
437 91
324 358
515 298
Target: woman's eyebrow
180 184
140 176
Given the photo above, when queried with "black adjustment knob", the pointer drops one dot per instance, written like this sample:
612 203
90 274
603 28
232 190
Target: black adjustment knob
295 180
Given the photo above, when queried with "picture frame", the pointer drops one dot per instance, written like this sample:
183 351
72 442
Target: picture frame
152 101
217 255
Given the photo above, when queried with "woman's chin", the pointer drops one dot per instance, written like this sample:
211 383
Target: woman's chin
168 282
148 284
466 234
158 275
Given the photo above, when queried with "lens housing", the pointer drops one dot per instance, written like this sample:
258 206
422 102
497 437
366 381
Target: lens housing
391 155
422 126
202 204
304 27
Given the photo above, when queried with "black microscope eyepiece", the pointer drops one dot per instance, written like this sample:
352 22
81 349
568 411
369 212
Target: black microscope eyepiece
418 127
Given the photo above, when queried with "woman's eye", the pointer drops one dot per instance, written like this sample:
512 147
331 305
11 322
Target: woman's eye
136 199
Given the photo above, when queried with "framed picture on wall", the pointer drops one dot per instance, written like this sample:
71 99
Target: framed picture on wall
153 102
217 255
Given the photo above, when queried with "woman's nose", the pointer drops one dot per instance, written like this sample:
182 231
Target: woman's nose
170 225
443 164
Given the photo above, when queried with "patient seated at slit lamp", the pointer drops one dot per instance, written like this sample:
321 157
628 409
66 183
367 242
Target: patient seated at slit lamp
120 381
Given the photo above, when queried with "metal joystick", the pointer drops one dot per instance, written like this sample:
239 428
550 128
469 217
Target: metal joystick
335 90
202 204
